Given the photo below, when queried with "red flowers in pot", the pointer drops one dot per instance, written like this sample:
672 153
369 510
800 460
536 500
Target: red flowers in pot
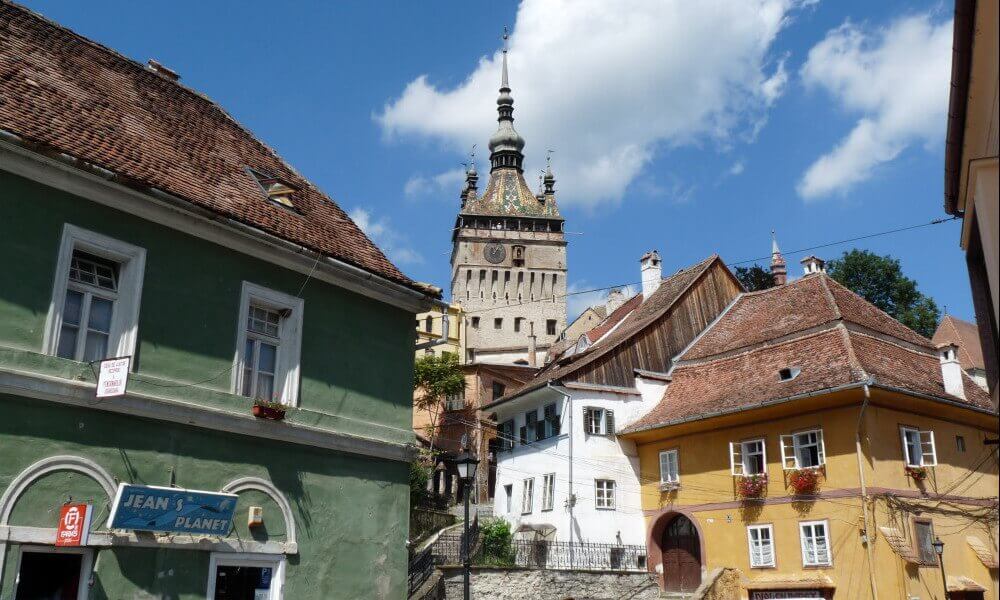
917 473
751 486
273 411
804 481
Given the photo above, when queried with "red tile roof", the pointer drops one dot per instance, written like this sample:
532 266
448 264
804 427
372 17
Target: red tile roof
832 336
965 335
633 319
64 93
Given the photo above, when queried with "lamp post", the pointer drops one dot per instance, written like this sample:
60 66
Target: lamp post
939 549
466 464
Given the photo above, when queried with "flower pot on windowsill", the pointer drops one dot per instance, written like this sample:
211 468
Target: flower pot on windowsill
272 411
751 487
804 481
917 473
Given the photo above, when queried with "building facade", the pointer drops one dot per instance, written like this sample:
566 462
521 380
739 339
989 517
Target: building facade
820 448
432 337
971 171
563 473
508 261
141 221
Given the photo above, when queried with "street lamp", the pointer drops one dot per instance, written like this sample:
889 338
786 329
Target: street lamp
466 464
939 549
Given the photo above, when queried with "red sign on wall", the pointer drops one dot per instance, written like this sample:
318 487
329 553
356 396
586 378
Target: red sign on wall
74 525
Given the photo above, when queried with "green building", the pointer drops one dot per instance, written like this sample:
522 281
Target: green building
138 219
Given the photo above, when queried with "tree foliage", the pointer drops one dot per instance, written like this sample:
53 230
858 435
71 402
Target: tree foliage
434 378
880 280
496 549
754 278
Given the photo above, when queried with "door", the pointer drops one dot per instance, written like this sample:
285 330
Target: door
681 556
50 573
245 577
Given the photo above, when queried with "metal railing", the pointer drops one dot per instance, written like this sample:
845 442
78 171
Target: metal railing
450 547
578 555
421 567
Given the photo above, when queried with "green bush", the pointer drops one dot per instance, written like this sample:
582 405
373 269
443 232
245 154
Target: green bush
496 550
419 476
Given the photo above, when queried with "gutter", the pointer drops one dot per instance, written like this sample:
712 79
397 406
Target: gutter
961 68
866 540
445 324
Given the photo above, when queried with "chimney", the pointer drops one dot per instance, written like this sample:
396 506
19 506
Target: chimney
652 273
532 348
778 269
616 298
159 69
813 264
951 370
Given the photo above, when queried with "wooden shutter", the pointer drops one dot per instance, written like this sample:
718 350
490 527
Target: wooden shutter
588 420
736 458
609 423
927 450
788 458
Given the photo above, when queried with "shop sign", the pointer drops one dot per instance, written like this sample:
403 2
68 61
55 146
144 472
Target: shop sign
74 524
113 377
175 510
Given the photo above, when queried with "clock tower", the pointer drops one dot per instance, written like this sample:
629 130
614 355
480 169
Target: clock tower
508 259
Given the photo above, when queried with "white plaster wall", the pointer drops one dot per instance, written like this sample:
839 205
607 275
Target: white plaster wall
594 457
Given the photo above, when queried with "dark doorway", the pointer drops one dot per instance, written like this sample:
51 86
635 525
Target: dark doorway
681 556
48 576
242 582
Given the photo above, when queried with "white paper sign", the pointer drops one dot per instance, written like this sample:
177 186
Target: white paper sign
113 377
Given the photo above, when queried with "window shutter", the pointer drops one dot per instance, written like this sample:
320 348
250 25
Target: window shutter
609 423
822 447
540 430
906 450
588 415
788 459
927 450
736 458
524 435
756 553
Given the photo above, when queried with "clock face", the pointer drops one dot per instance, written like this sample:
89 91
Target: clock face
494 253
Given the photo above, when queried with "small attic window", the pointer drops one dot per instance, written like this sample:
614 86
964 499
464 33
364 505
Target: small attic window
789 373
276 191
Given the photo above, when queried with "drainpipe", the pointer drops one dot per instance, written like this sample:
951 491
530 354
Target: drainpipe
869 540
445 324
571 498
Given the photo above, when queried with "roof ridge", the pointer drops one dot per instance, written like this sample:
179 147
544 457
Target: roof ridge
824 280
804 334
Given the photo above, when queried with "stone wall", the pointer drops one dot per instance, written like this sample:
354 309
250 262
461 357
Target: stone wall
518 584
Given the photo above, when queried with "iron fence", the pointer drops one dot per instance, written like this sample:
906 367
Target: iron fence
450 548
542 554
421 567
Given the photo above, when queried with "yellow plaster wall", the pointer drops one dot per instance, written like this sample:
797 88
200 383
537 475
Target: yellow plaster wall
708 494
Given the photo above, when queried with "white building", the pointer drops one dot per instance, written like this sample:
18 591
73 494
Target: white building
562 473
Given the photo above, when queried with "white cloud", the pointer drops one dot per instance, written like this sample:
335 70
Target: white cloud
447 184
737 168
607 84
895 79
394 244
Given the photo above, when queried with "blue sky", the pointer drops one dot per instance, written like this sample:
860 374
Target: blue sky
692 128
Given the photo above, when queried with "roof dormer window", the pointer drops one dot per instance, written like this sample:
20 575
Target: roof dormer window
789 373
276 190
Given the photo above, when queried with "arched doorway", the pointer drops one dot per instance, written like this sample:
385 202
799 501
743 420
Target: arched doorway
681 555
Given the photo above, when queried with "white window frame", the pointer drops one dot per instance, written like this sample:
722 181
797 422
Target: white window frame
131 261
790 447
926 447
548 491
287 362
738 456
610 494
86 563
666 477
813 561
249 559
527 495
762 564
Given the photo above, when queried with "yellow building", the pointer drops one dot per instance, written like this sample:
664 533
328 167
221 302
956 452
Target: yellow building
429 328
819 448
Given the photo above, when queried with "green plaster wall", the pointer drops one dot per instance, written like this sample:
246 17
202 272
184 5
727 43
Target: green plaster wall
351 513
357 354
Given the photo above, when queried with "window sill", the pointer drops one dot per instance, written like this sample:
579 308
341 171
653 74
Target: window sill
764 568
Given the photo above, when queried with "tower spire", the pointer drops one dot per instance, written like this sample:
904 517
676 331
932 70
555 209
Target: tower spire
779 271
506 144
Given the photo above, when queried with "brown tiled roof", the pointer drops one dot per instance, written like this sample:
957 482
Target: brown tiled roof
834 339
617 316
61 92
965 335
635 320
